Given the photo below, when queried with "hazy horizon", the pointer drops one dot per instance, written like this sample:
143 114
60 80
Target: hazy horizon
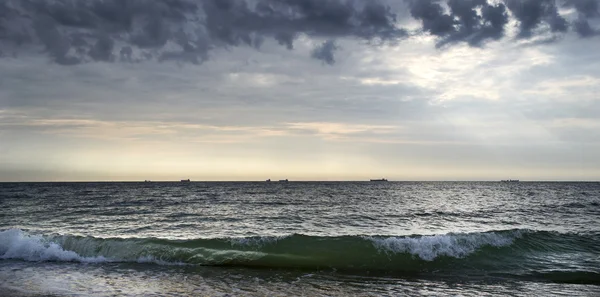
304 90
290 180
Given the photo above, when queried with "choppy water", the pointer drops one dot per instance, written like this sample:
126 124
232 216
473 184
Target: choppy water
270 239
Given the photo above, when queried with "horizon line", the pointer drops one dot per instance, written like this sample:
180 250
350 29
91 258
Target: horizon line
277 181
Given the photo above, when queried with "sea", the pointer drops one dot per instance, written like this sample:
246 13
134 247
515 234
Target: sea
300 239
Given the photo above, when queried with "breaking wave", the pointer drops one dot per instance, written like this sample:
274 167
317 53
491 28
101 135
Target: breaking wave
491 252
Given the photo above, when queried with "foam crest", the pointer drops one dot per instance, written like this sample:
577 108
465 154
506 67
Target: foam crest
429 248
378 253
16 244
255 241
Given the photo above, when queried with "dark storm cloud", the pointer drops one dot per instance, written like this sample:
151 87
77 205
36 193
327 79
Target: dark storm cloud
57 45
462 22
102 50
73 32
325 52
185 30
286 38
531 14
476 21
587 9
433 17
584 29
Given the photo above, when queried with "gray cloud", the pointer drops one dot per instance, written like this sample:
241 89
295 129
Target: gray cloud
230 89
286 39
587 9
102 50
325 52
55 43
186 31
432 15
531 14
383 102
462 22
583 28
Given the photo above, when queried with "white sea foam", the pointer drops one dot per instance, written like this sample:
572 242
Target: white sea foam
452 245
19 245
16 244
256 241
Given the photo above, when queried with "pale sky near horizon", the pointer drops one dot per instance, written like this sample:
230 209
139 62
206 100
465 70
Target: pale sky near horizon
299 89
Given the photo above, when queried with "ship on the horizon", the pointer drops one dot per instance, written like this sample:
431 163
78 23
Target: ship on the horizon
379 180
185 180
510 180
283 180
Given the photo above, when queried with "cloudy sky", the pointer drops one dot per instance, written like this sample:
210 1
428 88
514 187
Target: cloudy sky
299 89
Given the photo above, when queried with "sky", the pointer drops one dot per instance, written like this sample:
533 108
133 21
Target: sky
132 90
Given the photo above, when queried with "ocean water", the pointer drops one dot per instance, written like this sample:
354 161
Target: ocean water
300 239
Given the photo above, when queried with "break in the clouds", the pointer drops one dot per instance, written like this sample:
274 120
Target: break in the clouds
72 32
299 89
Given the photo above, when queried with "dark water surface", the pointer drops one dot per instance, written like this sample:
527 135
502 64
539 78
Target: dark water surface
311 239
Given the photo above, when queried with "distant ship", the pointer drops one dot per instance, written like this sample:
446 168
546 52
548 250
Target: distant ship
147 181
379 180
510 180
283 180
269 180
185 180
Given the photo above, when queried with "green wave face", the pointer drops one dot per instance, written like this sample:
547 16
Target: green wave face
537 254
